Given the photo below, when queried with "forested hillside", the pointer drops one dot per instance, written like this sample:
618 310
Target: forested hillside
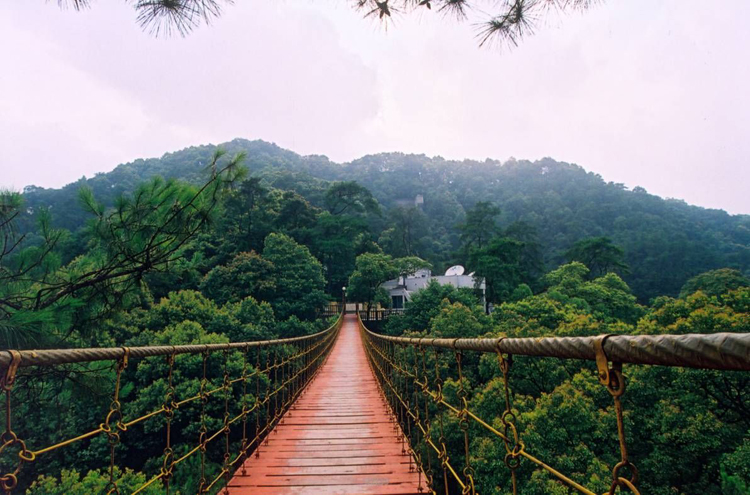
240 319
665 242
251 243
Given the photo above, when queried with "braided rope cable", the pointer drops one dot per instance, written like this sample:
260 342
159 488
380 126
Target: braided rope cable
297 361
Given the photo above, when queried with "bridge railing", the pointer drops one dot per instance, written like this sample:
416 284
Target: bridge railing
412 371
273 374
331 309
379 314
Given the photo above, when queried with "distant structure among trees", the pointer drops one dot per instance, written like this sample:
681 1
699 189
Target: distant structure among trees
402 288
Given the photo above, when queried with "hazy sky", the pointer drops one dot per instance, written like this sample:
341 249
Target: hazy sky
645 93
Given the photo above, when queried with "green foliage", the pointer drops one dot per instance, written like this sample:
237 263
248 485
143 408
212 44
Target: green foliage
336 241
456 320
247 274
243 321
181 306
521 292
371 270
599 255
407 234
699 314
735 470
425 305
249 217
70 402
10 205
607 298
715 282
480 225
257 319
294 327
665 242
142 232
350 197
410 265
504 261
499 263
97 481
532 260
298 277
691 420
265 251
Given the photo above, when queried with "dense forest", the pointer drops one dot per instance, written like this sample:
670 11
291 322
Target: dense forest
665 242
251 242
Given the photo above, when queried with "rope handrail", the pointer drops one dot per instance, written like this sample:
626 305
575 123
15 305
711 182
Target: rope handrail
49 357
402 367
285 366
719 351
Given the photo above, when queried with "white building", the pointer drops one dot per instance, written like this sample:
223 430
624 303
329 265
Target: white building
402 288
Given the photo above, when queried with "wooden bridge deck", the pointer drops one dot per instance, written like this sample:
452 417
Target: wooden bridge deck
338 438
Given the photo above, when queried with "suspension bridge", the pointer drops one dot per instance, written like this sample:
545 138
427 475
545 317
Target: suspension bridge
339 436
345 410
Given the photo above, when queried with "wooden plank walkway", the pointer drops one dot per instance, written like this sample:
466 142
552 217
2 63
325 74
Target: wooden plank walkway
338 438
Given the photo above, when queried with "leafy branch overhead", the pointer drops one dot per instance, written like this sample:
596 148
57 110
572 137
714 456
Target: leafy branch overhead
506 21
166 16
144 231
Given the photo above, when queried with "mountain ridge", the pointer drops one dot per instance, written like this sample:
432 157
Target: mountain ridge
666 240
239 142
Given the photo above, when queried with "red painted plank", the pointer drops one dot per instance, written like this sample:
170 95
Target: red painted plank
403 488
337 461
338 438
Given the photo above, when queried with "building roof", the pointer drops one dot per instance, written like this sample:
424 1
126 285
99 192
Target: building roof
407 285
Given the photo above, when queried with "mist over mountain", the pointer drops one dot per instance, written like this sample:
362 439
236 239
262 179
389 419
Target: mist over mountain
424 200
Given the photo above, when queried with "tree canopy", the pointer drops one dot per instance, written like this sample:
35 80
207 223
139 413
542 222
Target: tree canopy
599 254
547 205
44 299
221 254
715 282
560 408
371 270
297 276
